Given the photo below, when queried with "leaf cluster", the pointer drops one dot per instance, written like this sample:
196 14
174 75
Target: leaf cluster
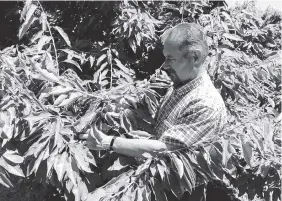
45 104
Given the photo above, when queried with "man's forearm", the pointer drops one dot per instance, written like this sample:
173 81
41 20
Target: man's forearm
137 147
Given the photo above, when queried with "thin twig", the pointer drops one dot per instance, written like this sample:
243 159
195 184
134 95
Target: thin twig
182 12
111 82
49 29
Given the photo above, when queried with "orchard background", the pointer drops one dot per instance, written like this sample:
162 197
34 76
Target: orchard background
67 65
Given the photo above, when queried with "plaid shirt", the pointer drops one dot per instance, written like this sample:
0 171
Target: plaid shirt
190 114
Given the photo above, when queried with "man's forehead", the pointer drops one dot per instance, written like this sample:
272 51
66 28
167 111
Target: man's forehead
170 49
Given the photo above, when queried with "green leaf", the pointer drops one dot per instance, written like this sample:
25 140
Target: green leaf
73 63
60 90
121 163
115 52
7 127
153 169
69 185
60 99
13 169
4 180
225 27
139 194
63 34
247 151
39 145
98 72
103 75
88 155
174 184
144 119
178 163
43 20
121 66
192 157
26 8
91 60
80 158
157 189
83 191
36 117
34 165
88 117
132 100
271 102
49 64
110 120
100 59
161 170
59 165
51 161
42 41
44 73
263 168
125 123
232 37
143 167
217 169
152 95
165 181
13 156
147 155
109 57
132 44
28 20
138 38
72 170
215 154
49 76
189 176
204 161
228 150
120 74
36 36
151 105
71 99
146 193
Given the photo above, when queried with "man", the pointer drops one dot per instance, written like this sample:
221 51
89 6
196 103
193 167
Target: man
192 110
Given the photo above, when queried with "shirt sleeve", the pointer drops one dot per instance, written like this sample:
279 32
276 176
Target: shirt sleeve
193 125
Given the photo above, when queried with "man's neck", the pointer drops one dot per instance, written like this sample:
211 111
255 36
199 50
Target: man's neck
180 84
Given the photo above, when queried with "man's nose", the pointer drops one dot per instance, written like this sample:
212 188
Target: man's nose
165 66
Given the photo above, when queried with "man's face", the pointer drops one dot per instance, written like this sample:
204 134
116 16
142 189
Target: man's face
178 68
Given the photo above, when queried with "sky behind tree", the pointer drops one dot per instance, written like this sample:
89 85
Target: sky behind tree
261 4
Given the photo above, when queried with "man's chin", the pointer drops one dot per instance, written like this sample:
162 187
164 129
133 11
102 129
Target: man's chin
176 82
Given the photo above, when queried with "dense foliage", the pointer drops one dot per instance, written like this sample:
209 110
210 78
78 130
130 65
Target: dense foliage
80 66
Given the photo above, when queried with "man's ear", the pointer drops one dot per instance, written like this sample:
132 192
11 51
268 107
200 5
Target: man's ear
197 56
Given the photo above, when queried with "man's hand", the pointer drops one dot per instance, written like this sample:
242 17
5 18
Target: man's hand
96 140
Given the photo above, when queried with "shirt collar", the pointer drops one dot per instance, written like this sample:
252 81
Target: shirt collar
186 88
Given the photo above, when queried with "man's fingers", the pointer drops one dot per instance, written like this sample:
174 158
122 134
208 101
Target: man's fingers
83 136
96 133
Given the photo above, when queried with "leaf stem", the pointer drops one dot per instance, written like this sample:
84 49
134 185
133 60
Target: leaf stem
111 83
49 29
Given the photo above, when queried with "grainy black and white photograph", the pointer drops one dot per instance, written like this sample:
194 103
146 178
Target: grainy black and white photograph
140 100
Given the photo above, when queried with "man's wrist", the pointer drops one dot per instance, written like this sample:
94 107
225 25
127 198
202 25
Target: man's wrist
112 143
107 142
